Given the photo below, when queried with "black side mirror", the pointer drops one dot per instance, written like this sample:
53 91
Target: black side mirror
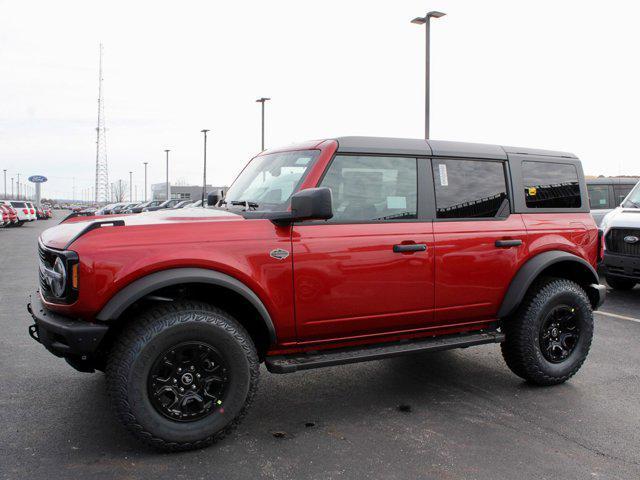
311 204
212 199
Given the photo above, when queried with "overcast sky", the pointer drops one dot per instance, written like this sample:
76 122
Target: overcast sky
549 74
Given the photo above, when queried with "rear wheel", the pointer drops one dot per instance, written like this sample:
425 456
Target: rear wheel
548 339
182 376
618 283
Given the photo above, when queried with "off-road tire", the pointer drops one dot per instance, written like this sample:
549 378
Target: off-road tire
521 349
143 341
618 283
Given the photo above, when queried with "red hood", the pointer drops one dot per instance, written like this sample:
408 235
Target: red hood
60 235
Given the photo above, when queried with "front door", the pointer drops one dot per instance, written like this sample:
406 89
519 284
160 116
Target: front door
369 269
479 244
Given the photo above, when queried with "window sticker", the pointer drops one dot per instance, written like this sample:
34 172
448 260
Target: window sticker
397 202
444 179
302 160
603 201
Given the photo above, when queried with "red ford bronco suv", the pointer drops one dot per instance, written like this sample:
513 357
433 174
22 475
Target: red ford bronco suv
324 253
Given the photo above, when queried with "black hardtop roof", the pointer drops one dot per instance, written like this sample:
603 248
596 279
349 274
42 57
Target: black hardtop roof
441 148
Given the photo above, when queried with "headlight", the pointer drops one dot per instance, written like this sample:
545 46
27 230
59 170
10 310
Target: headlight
58 282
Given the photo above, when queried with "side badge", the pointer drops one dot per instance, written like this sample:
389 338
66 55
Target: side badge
279 254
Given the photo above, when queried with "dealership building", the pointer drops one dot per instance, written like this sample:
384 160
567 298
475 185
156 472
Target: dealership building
182 192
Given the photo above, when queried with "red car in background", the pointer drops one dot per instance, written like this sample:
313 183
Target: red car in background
9 216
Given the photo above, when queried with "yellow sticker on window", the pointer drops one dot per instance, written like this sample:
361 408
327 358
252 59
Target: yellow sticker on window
533 191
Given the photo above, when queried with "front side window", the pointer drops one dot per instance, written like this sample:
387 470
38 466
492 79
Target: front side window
269 180
368 188
469 188
633 200
620 192
551 185
598 196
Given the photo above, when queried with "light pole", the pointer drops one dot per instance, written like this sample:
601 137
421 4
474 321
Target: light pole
5 183
145 180
130 186
204 174
18 187
426 21
262 101
12 188
168 190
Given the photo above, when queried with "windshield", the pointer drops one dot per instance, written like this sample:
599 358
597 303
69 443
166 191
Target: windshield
633 199
269 180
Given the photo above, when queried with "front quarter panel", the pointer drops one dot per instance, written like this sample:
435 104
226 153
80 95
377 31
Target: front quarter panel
113 257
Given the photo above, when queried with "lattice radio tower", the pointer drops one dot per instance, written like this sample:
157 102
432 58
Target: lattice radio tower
102 175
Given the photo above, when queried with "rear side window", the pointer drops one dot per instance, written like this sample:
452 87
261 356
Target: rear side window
598 196
18 204
620 192
469 188
551 185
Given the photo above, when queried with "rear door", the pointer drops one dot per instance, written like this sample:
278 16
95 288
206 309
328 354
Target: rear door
369 270
479 243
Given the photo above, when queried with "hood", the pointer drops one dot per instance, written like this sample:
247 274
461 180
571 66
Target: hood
59 236
621 218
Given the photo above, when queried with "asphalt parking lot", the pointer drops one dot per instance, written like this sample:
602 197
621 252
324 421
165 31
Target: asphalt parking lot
450 415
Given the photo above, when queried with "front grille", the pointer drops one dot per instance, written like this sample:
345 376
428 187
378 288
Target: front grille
616 244
47 258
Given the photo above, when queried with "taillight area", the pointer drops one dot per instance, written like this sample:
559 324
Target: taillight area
32 212
601 246
25 211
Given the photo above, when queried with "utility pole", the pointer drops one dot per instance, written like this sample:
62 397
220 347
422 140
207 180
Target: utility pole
130 186
168 188
204 174
145 180
426 21
262 101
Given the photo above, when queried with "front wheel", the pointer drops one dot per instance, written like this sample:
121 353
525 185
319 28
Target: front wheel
618 283
182 376
548 339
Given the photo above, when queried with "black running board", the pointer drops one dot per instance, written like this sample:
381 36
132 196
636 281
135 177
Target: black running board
328 358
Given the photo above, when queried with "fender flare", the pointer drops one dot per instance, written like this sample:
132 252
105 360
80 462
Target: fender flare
530 271
175 276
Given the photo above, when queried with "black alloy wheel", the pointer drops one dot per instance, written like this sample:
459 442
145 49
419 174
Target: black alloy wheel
188 381
559 334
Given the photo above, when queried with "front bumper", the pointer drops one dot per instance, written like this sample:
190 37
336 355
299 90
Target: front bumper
75 340
625 266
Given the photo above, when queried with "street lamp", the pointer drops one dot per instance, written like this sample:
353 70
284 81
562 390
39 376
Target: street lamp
204 175
5 183
130 186
145 180
426 22
168 190
262 100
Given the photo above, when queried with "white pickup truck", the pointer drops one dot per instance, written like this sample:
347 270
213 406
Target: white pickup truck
621 229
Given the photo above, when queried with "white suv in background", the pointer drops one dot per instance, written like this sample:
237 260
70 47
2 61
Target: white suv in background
25 210
621 229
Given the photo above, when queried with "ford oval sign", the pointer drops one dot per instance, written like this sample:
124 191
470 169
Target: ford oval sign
631 239
37 179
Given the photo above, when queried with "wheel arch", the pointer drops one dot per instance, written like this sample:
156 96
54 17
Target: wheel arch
555 263
208 283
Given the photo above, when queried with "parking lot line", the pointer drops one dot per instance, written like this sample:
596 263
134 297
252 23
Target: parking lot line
620 317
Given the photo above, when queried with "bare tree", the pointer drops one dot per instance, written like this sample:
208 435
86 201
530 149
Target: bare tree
119 191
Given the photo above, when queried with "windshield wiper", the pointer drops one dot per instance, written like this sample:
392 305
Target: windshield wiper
247 204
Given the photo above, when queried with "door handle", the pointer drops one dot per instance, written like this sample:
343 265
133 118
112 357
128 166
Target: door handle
409 247
508 243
